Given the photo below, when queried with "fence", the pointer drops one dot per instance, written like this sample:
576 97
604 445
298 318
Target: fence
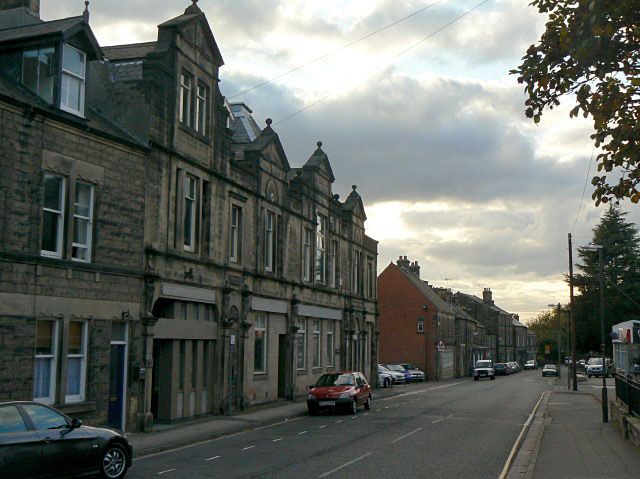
628 391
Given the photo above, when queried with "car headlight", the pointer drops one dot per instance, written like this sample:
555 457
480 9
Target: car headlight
346 395
311 397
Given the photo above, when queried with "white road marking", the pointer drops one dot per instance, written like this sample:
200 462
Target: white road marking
559 403
419 391
248 447
276 440
164 472
378 410
338 422
386 407
303 432
365 414
212 458
443 418
323 426
344 465
353 417
405 436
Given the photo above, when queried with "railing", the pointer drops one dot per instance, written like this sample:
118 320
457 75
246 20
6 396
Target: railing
628 391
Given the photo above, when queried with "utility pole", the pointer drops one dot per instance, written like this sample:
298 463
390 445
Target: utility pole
559 342
574 364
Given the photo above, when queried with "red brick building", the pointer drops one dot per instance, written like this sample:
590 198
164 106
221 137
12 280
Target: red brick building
413 321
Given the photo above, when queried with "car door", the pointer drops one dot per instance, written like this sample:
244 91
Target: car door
65 450
361 390
20 446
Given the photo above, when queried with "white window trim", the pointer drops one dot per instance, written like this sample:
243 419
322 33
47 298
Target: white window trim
202 93
331 357
306 255
185 94
82 80
70 398
192 230
88 246
234 235
60 213
54 365
265 343
270 219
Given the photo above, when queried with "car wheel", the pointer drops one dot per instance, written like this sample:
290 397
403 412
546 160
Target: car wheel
354 407
367 405
114 462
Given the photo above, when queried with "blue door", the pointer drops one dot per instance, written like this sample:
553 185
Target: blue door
116 386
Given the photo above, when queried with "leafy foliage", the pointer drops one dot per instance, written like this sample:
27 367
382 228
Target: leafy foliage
545 325
621 261
590 50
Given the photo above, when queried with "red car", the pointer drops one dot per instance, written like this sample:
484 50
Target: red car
345 390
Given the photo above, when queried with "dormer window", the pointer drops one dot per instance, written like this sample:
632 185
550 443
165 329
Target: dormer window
41 74
73 77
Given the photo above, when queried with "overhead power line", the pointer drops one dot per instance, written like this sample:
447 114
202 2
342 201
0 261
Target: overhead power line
337 50
390 61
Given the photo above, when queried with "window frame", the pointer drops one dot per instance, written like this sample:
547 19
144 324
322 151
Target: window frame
317 340
262 328
193 216
330 334
53 359
201 123
269 241
75 76
235 235
301 340
306 255
185 109
73 398
89 219
60 233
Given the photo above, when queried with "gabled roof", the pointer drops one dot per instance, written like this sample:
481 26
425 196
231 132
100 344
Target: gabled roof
62 29
244 128
320 161
354 203
266 138
517 323
193 14
426 291
490 306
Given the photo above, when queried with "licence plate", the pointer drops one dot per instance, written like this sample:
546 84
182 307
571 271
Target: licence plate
326 403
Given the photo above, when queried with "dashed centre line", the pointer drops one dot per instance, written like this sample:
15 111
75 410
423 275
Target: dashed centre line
303 432
212 458
406 435
442 418
168 470
248 447
276 440
344 465
323 426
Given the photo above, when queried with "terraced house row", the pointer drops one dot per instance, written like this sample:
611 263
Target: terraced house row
160 258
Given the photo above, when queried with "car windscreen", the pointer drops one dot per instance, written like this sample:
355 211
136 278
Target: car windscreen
409 367
595 361
550 366
395 367
383 369
336 380
483 364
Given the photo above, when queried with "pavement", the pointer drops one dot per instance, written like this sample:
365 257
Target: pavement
172 436
566 438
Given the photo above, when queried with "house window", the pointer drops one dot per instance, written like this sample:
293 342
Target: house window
330 343
73 78
235 234
202 100
190 210
82 222
76 361
333 265
371 280
420 326
302 346
306 255
269 240
321 231
260 345
186 82
53 216
45 361
39 72
316 343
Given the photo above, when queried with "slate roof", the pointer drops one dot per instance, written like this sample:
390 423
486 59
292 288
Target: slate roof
93 119
426 291
490 306
461 313
518 323
132 51
243 127
40 29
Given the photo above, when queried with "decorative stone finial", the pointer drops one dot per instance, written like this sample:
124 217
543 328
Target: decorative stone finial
85 14
194 1
269 120
354 187
319 144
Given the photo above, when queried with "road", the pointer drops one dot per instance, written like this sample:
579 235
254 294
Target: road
459 428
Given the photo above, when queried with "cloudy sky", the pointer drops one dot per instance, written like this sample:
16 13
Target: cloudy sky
428 124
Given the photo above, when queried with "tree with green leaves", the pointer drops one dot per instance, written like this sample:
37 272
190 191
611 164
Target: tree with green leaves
621 260
589 52
545 325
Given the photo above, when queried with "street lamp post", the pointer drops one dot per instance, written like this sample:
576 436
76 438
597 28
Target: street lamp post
605 406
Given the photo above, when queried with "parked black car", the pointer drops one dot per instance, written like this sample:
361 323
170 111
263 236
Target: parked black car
37 441
501 369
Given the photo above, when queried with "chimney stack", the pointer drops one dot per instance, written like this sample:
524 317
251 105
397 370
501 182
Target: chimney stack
414 268
403 263
31 6
487 296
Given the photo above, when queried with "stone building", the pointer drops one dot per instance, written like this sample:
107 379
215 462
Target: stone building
230 277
